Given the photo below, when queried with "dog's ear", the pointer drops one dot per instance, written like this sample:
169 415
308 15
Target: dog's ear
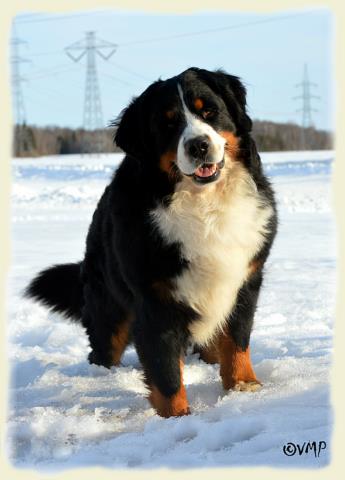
233 93
128 134
252 156
132 134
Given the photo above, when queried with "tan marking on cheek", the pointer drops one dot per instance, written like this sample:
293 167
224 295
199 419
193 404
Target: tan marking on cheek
174 406
167 161
232 144
235 364
170 114
198 104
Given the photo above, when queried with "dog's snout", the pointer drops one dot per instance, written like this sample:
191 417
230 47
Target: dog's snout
198 147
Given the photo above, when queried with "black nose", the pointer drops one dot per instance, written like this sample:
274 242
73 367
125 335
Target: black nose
197 147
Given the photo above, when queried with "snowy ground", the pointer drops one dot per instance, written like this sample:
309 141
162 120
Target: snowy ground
64 412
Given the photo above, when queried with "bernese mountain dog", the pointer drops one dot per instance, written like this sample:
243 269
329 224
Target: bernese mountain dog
177 244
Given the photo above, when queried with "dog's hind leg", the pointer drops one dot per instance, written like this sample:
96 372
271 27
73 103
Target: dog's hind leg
107 324
120 338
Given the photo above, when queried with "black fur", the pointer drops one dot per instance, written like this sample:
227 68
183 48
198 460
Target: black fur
126 256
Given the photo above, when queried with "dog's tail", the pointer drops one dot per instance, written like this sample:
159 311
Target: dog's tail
59 288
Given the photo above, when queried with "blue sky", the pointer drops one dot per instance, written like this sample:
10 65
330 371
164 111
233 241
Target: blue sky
267 51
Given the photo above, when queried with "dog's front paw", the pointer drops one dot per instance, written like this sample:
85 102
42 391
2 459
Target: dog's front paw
242 386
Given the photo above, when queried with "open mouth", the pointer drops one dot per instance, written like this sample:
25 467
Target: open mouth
207 172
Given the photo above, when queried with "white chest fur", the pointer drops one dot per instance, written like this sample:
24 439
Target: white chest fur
220 227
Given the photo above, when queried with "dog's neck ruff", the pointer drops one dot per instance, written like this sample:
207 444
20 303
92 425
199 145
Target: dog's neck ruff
220 229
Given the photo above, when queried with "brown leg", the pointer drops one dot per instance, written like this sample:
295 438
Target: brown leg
174 406
120 340
236 368
208 354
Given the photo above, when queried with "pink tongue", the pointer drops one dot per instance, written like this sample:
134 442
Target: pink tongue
205 171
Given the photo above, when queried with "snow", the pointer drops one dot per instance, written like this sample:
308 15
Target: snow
65 413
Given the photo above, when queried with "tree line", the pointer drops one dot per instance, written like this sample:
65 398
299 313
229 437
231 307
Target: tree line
33 141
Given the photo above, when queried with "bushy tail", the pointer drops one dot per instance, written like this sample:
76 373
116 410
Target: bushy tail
59 288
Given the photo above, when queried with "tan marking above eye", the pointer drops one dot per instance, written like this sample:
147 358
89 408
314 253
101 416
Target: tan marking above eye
198 104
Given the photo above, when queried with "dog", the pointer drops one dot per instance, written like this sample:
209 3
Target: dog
178 241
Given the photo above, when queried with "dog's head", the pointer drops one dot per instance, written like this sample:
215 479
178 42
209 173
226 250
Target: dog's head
188 125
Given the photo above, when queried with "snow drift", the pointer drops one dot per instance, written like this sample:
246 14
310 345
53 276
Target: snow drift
64 412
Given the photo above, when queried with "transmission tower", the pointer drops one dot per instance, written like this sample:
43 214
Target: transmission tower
21 140
92 46
306 97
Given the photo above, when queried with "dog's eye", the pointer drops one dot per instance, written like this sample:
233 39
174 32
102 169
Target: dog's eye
208 113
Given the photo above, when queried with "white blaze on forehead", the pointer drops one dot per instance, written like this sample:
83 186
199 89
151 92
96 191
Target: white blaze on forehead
196 128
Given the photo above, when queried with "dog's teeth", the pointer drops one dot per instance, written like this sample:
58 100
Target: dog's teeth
205 171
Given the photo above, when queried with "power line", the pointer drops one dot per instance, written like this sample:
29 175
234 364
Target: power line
112 77
48 97
40 54
212 30
131 72
175 36
51 68
48 72
26 15
260 112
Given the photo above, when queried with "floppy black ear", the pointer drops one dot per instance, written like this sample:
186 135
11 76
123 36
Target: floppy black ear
132 134
233 92
232 87
252 155
128 135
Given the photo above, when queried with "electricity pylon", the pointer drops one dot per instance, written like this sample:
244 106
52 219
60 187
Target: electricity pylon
17 79
92 46
306 109
21 140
